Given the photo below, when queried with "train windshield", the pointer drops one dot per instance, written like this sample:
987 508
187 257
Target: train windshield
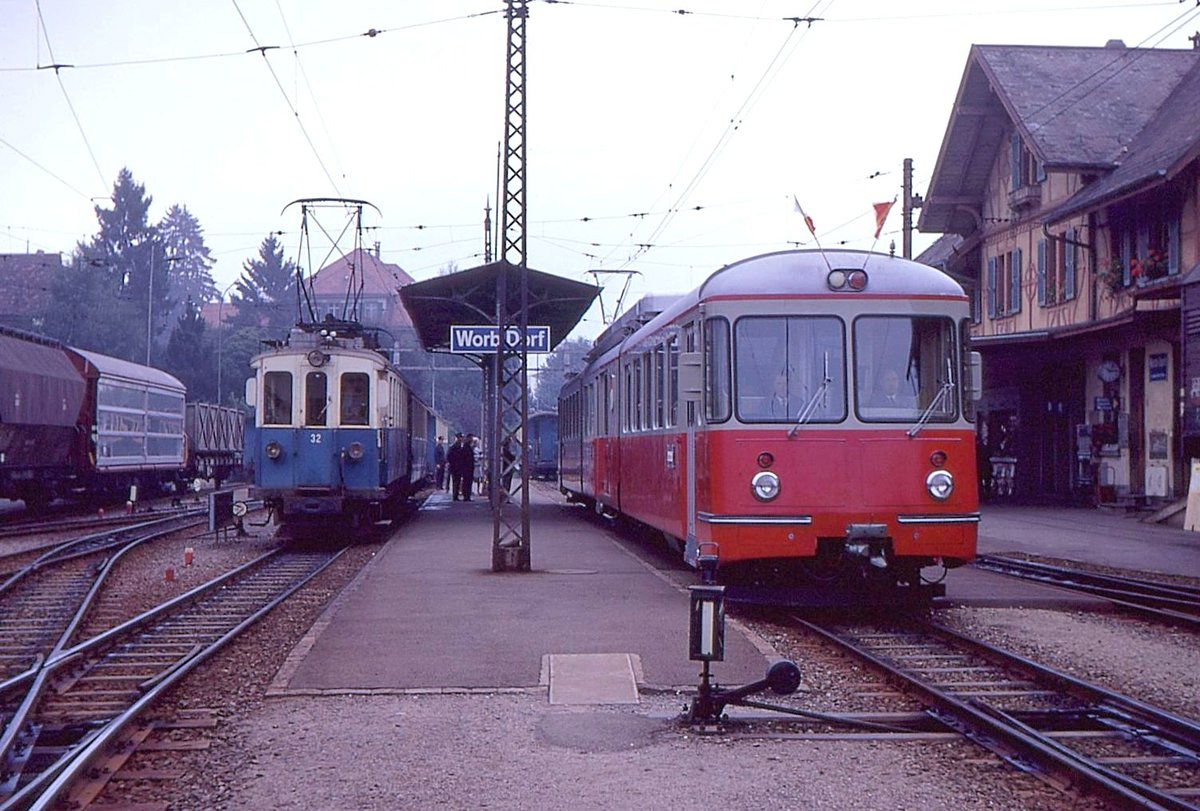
277 398
781 367
356 398
904 366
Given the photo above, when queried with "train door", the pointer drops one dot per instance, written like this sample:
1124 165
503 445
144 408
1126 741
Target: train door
606 482
316 458
689 393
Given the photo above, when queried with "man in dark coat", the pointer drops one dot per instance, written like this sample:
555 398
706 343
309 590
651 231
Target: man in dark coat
461 461
439 461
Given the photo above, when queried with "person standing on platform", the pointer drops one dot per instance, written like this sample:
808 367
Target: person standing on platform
462 467
508 462
476 446
439 463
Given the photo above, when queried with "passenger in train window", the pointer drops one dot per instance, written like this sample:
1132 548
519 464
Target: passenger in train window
888 392
776 407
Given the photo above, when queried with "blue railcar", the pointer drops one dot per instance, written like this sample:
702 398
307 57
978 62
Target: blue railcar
542 428
337 434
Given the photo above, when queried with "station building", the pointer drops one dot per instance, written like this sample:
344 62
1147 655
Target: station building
1066 188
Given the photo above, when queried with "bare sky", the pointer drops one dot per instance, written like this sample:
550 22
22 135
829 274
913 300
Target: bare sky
663 142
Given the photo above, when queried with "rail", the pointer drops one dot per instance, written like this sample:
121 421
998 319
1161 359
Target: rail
185 630
970 687
1165 602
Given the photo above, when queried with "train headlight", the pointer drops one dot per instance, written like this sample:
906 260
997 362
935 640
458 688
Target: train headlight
940 484
274 450
764 485
851 279
355 451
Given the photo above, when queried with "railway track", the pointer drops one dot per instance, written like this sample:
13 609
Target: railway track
1164 602
42 602
65 713
1038 719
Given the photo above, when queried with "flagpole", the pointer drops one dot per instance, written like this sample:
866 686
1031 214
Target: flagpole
812 230
881 218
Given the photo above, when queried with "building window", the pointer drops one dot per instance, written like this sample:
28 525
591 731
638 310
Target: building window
1004 284
1057 260
1145 242
1027 170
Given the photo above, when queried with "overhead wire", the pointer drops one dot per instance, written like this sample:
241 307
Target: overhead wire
717 104
84 195
262 49
370 33
735 122
67 96
311 93
1122 60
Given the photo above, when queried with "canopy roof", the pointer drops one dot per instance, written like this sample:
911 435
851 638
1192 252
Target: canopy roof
468 298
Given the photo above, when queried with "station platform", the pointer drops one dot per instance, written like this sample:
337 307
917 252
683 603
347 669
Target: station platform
1084 535
596 620
592 622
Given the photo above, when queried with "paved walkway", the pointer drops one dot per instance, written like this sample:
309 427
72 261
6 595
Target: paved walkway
428 614
1090 535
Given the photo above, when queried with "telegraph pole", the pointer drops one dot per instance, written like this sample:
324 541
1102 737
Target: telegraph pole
510 511
911 201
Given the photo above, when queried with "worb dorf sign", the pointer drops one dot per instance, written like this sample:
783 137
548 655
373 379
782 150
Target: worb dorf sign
476 339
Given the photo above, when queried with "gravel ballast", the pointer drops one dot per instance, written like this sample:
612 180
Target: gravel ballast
513 750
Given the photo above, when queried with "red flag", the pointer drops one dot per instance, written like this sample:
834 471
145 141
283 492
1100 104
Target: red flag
881 215
812 229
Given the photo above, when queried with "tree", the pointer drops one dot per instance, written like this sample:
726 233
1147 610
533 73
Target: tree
190 265
567 359
265 294
121 274
189 354
86 311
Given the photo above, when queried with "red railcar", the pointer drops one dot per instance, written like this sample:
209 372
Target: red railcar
802 417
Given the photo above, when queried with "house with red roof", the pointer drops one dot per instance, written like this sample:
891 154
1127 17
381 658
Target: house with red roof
359 286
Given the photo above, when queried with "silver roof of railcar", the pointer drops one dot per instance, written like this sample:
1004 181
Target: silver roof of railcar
804 272
133 372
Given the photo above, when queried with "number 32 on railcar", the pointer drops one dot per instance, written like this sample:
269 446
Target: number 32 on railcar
802 417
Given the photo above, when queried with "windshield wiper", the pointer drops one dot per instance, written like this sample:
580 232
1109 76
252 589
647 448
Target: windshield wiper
946 389
811 406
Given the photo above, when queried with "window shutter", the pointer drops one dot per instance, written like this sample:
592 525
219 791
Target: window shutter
1040 170
1016 161
1069 264
1173 245
1041 272
991 287
1142 248
1126 255
1015 294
